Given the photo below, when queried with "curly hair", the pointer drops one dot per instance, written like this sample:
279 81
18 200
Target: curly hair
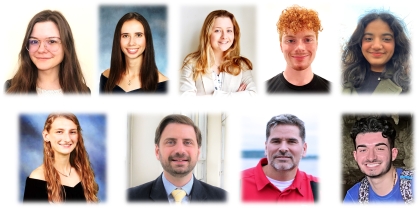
204 56
70 73
79 159
296 19
374 124
355 66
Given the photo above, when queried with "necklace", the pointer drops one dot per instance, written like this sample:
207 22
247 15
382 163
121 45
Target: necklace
395 178
62 173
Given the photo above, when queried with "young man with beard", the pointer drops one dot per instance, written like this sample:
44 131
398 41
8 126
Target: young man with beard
177 147
277 178
374 153
298 30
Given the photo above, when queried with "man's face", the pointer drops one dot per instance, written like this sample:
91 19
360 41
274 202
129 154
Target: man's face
299 49
373 154
285 148
178 149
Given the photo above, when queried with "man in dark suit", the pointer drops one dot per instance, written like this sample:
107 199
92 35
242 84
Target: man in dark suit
177 147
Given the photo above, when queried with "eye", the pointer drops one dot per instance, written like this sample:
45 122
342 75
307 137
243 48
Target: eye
308 40
367 39
52 41
59 132
387 39
73 132
33 42
290 41
217 31
124 36
139 35
230 31
188 143
362 150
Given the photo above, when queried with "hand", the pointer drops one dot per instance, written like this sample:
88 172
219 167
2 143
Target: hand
242 87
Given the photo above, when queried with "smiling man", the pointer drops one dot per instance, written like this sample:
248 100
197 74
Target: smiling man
277 178
374 153
177 147
298 30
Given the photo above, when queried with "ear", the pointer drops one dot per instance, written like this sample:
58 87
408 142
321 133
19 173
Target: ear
394 153
45 135
157 152
266 149
304 150
354 154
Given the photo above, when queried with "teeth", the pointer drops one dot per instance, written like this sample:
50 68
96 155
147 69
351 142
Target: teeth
372 165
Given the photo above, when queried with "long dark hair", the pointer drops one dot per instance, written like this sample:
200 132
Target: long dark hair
355 66
70 75
149 74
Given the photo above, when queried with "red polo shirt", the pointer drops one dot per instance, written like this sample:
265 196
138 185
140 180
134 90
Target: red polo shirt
256 187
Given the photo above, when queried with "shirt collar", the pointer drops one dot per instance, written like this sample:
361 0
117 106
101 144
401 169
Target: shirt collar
169 187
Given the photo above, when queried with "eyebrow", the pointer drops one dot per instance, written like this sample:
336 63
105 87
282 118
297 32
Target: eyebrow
46 38
376 145
384 34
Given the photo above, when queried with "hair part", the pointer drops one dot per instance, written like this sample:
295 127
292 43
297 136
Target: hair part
79 159
70 73
286 119
179 119
204 56
374 124
149 73
296 19
355 65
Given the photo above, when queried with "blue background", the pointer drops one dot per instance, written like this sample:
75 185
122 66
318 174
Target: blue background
31 146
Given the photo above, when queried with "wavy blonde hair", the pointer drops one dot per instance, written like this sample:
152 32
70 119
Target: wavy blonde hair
79 159
204 56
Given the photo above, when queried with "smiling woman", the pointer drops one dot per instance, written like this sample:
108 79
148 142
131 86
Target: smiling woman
376 58
216 68
133 66
48 63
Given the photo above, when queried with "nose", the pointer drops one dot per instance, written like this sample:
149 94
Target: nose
223 34
131 41
300 45
376 44
180 148
42 47
283 147
371 155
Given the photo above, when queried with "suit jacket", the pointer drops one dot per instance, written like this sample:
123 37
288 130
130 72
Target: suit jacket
204 84
154 191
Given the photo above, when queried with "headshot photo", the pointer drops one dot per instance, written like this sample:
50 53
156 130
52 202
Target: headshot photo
133 49
183 155
376 49
218 51
62 158
377 158
279 158
51 52
297 49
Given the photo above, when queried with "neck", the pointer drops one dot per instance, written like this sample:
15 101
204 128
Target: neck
178 181
48 80
218 57
377 68
298 78
279 175
133 66
62 163
384 184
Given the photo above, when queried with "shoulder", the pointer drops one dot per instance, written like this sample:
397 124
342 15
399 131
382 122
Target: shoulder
7 84
38 173
106 73
248 172
212 192
245 64
140 192
352 194
321 79
162 78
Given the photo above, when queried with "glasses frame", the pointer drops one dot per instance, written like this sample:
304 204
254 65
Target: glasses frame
43 41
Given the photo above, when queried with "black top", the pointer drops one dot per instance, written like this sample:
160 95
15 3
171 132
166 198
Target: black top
161 87
372 79
36 190
278 84
8 84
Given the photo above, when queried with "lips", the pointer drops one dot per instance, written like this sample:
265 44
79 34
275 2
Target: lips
132 50
65 145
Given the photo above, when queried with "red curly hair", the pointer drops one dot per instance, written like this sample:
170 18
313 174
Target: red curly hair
296 19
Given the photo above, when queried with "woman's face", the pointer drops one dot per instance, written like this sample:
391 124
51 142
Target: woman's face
133 40
63 136
222 34
378 44
44 46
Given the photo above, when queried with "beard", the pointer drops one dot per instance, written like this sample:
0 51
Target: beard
383 172
177 170
282 165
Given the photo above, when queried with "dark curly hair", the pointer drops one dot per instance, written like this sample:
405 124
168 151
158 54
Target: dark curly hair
374 124
355 66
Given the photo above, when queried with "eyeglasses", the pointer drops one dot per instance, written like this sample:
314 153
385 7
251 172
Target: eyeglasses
51 44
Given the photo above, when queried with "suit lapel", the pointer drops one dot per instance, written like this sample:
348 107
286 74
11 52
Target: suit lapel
158 192
197 192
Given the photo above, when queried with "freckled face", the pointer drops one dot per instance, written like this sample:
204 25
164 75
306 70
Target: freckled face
63 136
299 49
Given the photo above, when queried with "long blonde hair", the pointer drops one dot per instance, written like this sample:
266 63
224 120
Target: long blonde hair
79 159
204 56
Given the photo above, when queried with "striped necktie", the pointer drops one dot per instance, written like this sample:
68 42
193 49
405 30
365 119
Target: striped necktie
178 195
